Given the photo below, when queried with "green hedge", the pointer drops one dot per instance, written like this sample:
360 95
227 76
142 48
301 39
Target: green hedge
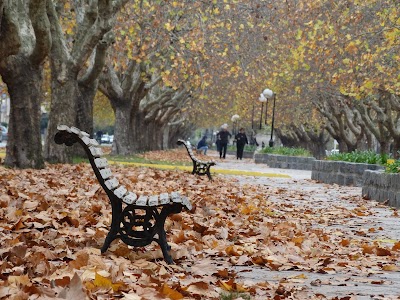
366 157
287 151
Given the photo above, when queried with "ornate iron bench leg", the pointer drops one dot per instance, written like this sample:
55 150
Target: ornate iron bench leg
162 236
208 173
165 248
112 235
116 208
194 167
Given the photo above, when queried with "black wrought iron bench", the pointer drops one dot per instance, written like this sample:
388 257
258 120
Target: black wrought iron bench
136 220
199 167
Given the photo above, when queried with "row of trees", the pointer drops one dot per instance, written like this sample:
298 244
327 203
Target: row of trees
167 65
334 66
132 66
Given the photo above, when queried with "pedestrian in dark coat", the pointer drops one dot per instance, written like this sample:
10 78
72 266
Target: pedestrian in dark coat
241 141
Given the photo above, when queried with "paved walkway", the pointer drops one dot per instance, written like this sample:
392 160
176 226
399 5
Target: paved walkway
376 284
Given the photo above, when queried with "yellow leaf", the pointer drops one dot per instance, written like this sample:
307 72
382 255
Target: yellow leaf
241 288
225 285
101 281
104 282
299 34
351 47
390 268
171 293
22 280
346 61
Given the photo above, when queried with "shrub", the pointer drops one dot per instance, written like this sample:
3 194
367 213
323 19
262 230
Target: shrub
286 151
366 157
393 167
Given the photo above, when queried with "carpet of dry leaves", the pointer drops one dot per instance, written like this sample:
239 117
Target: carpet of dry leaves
174 155
54 221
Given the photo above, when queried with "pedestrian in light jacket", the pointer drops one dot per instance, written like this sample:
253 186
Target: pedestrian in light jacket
223 138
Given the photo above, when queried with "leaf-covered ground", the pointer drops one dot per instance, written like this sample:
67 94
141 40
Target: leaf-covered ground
174 155
53 223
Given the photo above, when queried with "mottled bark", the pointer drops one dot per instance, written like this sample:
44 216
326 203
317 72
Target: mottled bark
125 91
313 139
24 44
74 85
24 148
342 125
375 115
122 133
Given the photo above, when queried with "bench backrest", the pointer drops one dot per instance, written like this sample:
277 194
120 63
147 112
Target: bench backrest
70 135
189 147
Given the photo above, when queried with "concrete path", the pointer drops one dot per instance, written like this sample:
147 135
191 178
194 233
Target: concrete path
377 285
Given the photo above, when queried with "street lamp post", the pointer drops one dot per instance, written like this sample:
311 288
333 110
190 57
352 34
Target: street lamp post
269 94
252 118
262 99
271 141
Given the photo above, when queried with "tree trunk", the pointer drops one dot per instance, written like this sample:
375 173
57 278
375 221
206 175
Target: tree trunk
122 133
63 112
24 146
75 70
85 107
165 133
140 133
24 44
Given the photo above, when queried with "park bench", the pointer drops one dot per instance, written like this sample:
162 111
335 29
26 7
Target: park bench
199 167
137 220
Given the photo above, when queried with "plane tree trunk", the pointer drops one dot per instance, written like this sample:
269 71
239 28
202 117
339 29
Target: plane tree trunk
25 42
73 83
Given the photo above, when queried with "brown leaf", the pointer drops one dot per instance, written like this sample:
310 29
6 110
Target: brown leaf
383 252
74 290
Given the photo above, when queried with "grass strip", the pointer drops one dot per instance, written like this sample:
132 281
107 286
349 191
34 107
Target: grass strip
213 171
190 168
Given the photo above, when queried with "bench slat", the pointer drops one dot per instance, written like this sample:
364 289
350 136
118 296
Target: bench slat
96 152
120 192
111 183
142 201
105 173
176 197
63 128
84 133
101 162
153 200
86 140
130 198
94 142
75 130
164 198
186 202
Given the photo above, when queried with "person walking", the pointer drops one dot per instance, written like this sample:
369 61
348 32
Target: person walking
202 145
223 137
241 141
